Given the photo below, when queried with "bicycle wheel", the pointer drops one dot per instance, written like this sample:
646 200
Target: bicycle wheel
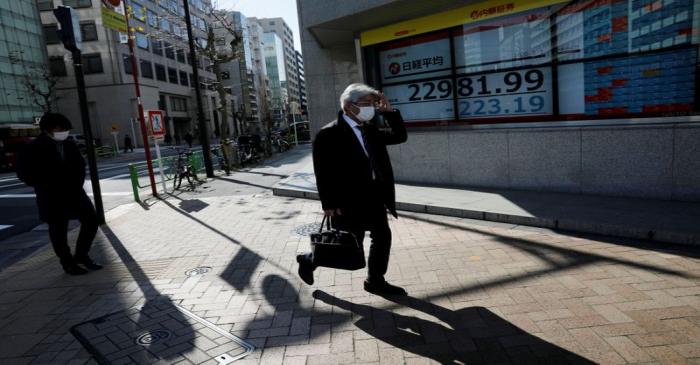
190 181
177 180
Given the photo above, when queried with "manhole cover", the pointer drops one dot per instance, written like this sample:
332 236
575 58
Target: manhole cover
152 337
198 271
161 332
306 229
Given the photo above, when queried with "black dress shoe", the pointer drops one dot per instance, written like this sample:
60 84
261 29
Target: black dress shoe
306 269
384 288
74 270
87 262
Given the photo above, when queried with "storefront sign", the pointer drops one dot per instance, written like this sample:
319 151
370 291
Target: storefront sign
427 56
467 14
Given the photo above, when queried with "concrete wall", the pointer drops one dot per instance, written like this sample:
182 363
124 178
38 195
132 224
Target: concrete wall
653 161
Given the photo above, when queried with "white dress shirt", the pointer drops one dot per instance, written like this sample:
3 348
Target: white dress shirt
358 133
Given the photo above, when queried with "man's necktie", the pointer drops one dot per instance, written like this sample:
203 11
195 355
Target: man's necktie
370 153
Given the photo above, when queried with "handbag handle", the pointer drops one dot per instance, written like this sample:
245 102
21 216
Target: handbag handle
326 220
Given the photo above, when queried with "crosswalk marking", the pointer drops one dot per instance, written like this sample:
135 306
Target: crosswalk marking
3 226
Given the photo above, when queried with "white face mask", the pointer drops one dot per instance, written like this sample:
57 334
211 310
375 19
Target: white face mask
60 136
366 113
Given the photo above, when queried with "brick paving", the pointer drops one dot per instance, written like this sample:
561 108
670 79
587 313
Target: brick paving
480 292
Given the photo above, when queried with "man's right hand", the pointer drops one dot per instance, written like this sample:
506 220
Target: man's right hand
332 212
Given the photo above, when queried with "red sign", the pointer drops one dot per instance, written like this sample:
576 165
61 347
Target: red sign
156 122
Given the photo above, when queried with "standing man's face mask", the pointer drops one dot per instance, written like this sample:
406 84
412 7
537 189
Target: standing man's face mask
365 114
60 136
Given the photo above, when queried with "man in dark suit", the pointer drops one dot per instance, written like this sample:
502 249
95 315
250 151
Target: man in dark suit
355 180
55 168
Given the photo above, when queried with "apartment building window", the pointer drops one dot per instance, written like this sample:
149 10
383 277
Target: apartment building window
172 75
51 34
126 60
45 4
78 3
164 24
181 55
146 69
160 72
88 31
183 78
141 40
92 63
138 10
157 47
57 67
178 104
192 83
152 18
169 52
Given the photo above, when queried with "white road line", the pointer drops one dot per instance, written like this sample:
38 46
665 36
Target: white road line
2 226
8 179
20 196
7 186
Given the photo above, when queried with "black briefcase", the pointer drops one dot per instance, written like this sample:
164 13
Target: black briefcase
336 249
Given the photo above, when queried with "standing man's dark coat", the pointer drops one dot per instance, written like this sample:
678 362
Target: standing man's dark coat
58 181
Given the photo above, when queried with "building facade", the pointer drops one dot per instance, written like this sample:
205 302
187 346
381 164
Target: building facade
303 103
22 61
580 96
164 68
275 64
282 30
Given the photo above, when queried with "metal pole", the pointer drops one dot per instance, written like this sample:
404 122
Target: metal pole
87 131
137 86
203 134
160 166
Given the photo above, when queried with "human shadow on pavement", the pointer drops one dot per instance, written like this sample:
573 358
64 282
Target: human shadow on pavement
474 335
558 258
158 331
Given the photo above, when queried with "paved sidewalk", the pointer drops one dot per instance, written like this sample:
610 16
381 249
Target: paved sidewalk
480 293
661 221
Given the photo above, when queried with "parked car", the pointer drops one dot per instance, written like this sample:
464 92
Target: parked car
303 131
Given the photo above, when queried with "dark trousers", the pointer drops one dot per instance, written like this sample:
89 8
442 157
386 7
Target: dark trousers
58 232
371 217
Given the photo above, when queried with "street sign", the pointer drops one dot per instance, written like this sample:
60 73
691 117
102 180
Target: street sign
155 122
113 15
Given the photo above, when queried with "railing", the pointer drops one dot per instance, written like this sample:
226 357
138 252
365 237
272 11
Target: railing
139 172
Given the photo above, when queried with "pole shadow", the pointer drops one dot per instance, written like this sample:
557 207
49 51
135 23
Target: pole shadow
182 334
474 335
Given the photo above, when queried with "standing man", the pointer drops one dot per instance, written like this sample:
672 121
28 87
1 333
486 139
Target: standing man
56 170
189 139
127 143
355 180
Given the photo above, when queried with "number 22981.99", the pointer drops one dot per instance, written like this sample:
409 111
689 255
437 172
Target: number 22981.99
519 105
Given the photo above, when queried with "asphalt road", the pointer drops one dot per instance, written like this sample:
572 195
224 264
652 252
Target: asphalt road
18 212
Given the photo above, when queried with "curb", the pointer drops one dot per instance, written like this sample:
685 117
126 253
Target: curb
640 233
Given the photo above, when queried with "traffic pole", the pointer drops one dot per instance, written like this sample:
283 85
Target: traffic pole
87 131
203 133
137 86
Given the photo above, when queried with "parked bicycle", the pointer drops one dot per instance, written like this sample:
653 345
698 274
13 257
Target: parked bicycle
218 153
183 169
280 142
247 150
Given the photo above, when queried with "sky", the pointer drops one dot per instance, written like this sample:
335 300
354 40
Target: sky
286 9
